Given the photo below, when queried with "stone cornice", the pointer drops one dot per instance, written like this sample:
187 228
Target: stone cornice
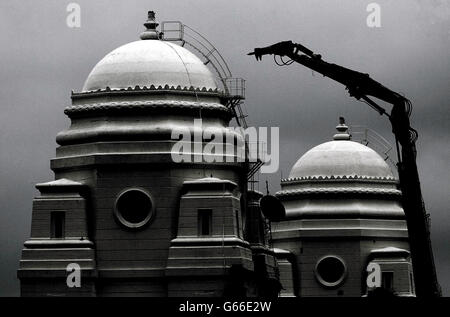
144 105
338 191
210 183
62 185
339 178
148 89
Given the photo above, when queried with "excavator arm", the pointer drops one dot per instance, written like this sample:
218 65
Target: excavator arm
361 86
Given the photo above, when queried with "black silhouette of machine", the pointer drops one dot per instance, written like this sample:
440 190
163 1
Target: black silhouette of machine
361 86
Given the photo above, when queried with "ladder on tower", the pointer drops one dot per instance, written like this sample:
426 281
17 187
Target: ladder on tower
233 88
374 140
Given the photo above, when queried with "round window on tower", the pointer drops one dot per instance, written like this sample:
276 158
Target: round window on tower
330 271
134 208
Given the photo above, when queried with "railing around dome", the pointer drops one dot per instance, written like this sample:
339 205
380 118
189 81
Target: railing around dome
234 88
176 31
374 140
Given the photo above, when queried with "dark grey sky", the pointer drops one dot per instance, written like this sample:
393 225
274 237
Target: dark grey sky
42 60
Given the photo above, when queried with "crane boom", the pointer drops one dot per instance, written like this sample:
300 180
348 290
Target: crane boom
361 86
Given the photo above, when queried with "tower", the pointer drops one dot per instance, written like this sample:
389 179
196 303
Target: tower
124 208
343 213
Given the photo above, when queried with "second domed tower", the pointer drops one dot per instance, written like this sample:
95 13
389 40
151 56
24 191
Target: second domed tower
342 212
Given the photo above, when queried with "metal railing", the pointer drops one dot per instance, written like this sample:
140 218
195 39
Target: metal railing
176 31
233 88
374 140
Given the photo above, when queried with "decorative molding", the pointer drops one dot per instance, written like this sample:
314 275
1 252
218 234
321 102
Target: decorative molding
335 178
144 105
138 88
62 185
41 243
209 183
62 182
339 190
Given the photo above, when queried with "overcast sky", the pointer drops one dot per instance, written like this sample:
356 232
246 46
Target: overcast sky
42 60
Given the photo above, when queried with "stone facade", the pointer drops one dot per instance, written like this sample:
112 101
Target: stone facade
342 210
122 207
138 222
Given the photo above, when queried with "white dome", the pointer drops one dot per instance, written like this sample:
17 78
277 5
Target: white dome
341 158
341 179
149 62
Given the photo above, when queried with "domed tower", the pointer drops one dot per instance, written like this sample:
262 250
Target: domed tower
342 213
123 207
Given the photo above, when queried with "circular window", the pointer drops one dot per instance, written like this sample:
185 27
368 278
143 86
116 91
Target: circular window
330 271
134 208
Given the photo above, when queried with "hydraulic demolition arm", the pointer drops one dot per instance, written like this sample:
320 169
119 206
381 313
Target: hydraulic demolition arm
361 86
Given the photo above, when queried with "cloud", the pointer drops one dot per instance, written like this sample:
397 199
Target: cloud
43 60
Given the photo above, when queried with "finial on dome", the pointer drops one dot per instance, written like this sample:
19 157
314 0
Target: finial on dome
150 33
342 129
